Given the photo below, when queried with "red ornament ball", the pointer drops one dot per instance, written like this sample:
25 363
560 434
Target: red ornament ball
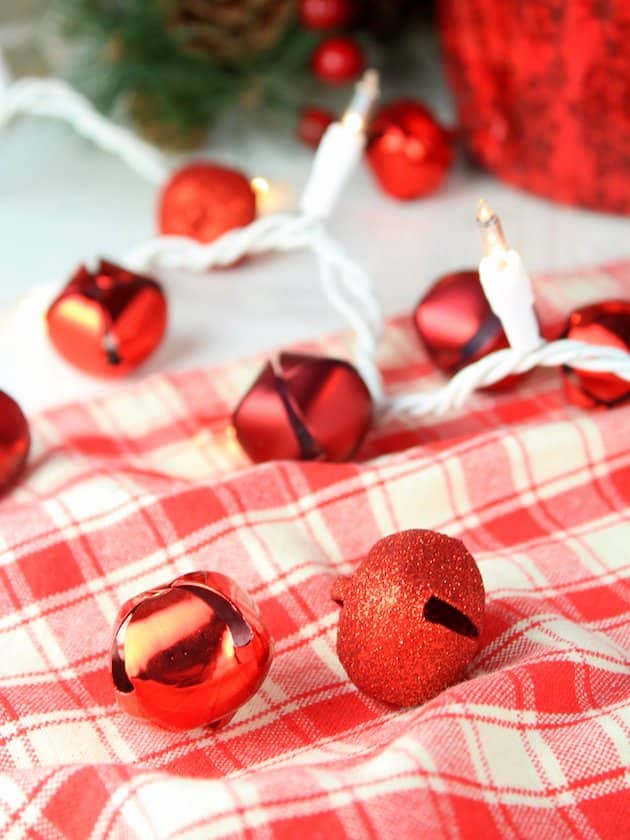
604 324
312 123
408 150
304 408
325 14
204 200
457 326
108 321
338 61
189 653
411 617
15 441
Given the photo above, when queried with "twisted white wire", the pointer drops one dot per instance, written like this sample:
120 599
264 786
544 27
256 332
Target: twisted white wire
345 284
502 363
54 98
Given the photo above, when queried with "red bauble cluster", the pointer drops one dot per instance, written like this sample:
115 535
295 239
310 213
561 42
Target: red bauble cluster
411 617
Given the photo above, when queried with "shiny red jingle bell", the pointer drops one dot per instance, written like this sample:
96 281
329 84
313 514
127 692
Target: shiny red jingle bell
604 324
408 151
108 321
204 200
15 441
457 326
190 653
411 617
303 408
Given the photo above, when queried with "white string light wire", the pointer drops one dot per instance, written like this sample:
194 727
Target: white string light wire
344 282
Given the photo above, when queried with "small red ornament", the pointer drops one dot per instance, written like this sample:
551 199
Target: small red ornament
604 324
189 653
325 14
337 61
312 123
106 322
304 408
204 200
15 441
411 617
457 326
408 150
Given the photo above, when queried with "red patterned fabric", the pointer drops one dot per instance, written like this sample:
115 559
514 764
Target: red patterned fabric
134 489
543 93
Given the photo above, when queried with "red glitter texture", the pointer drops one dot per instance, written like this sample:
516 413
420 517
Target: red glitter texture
189 653
204 200
411 617
543 93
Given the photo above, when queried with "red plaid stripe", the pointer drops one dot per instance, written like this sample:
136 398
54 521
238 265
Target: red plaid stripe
129 491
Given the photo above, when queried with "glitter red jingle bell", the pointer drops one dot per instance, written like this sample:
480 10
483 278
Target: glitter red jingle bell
106 322
204 200
15 441
189 653
304 407
604 324
457 326
408 151
411 617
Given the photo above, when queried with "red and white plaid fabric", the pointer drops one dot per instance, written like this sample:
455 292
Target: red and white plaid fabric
134 489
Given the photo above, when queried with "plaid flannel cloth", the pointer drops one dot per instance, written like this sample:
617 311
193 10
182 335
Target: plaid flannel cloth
131 490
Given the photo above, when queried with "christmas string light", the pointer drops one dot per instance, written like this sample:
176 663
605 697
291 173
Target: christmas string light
505 281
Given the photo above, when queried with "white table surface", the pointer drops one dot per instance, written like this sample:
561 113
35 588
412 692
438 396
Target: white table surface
62 201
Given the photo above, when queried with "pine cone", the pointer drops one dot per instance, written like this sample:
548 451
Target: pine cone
230 31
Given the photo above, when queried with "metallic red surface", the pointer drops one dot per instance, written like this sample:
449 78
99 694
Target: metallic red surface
204 200
543 93
457 326
108 321
15 441
411 617
189 653
337 61
607 324
408 151
304 407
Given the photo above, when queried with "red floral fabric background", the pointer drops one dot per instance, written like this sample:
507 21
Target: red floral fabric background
129 491
543 92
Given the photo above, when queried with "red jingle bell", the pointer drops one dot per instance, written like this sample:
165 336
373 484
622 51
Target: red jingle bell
604 324
411 617
190 653
108 321
204 200
15 441
303 408
408 150
457 326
